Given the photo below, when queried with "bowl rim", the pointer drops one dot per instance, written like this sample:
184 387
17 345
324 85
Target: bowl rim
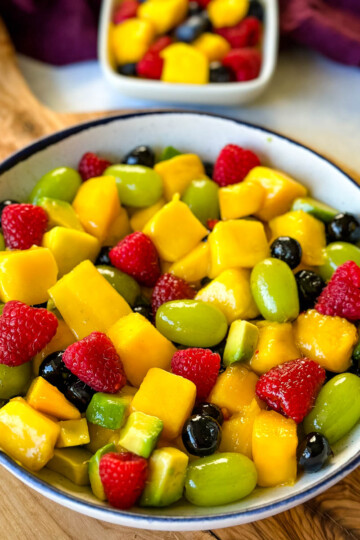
113 515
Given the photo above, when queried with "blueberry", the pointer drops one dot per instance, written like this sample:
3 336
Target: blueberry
205 280
344 228
209 409
287 249
140 155
79 394
209 168
5 203
313 452
201 435
310 286
192 28
54 371
142 306
129 70
219 73
194 8
256 10
103 257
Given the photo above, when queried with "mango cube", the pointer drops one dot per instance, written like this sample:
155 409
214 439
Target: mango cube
237 431
87 302
274 444
227 12
99 437
240 200
140 347
73 433
27 275
140 434
26 435
234 388
140 218
168 397
163 14
178 172
118 229
60 213
131 39
214 47
195 265
62 339
184 64
73 463
46 398
237 243
175 230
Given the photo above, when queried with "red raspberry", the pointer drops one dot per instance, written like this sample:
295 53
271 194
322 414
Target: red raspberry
245 34
151 64
136 255
91 166
245 63
126 10
203 3
169 287
201 366
233 164
210 223
23 225
341 296
24 332
95 361
291 388
123 477
160 44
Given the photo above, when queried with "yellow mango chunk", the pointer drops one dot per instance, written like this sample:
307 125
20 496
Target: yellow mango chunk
178 172
227 12
237 243
87 302
73 463
214 47
175 230
73 433
276 345
240 200
237 431
274 444
47 399
280 191
100 436
131 39
168 397
163 14
27 275
195 265
26 435
140 218
230 292
234 388
327 340
118 229
62 339
307 230
140 347
97 205
184 64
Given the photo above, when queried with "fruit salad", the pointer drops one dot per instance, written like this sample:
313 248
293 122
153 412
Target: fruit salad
169 324
187 42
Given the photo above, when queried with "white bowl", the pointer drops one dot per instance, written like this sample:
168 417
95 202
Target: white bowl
228 94
205 135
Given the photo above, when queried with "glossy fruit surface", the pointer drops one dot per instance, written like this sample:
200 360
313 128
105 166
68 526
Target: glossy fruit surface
141 155
128 70
79 394
60 183
5 203
209 409
14 380
202 198
286 249
313 452
344 228
192 28
310 286
201 435
54 371
220 73
138 186
103 257
335 255
122 283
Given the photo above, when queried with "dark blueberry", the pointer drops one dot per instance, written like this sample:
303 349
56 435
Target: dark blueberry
141 155
4 203
313 452
310 286
103 257
205 239
192 28
129 70
209 168
194 8
287 249
54 371
256 10
79 394
201 435
205 281
209 409
219 73
43 305
329 375
344 228
143 306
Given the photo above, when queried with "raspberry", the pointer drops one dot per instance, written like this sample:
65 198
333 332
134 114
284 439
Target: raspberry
291 388
169 287
245 63
24 332
23 225
203 3
126 10
341 296
160 44
91 166
151 64
136 255
95 361
201 366
210 224
245 34
123 477
233 164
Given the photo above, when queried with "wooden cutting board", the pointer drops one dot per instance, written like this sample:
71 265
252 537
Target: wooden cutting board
334 515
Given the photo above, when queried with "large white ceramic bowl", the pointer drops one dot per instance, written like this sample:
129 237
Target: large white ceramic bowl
205 135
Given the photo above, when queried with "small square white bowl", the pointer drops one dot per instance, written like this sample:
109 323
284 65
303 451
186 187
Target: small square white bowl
235 93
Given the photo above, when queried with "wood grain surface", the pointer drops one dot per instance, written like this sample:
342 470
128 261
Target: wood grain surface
24 514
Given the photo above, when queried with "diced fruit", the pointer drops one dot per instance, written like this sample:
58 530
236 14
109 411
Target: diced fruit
168 397
233 164
245 34
91 166
118 229
234 388
310 286
220 479
344 228
163 15
274 289
60 183
202 198
178 172
60 213
184 64
73 433
27 435
240 200
230 292
191 323
108 410
241 342
213 46
237 431
201 366
140 434
168 288
276 346
227 12
335 255
168 153
46 398
72 463
100 437
140 218
131 39
337 408
83 313
316 208
138 186
313 452
62 339
327 340
124 284
14 381
194 266
166 479
341 296
94 474
201 435
140 346
245 63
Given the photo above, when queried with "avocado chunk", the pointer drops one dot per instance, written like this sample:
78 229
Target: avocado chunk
94 474
110 410
241 342
60 213
318 209
168 153
72 463
140 434
166 479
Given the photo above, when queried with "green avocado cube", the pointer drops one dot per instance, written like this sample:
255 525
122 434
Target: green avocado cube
318 209
60 213
168 153
94 475
140 434
166 478
108 410
73 463
241 342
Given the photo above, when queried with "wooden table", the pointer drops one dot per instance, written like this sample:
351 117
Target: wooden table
334 515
